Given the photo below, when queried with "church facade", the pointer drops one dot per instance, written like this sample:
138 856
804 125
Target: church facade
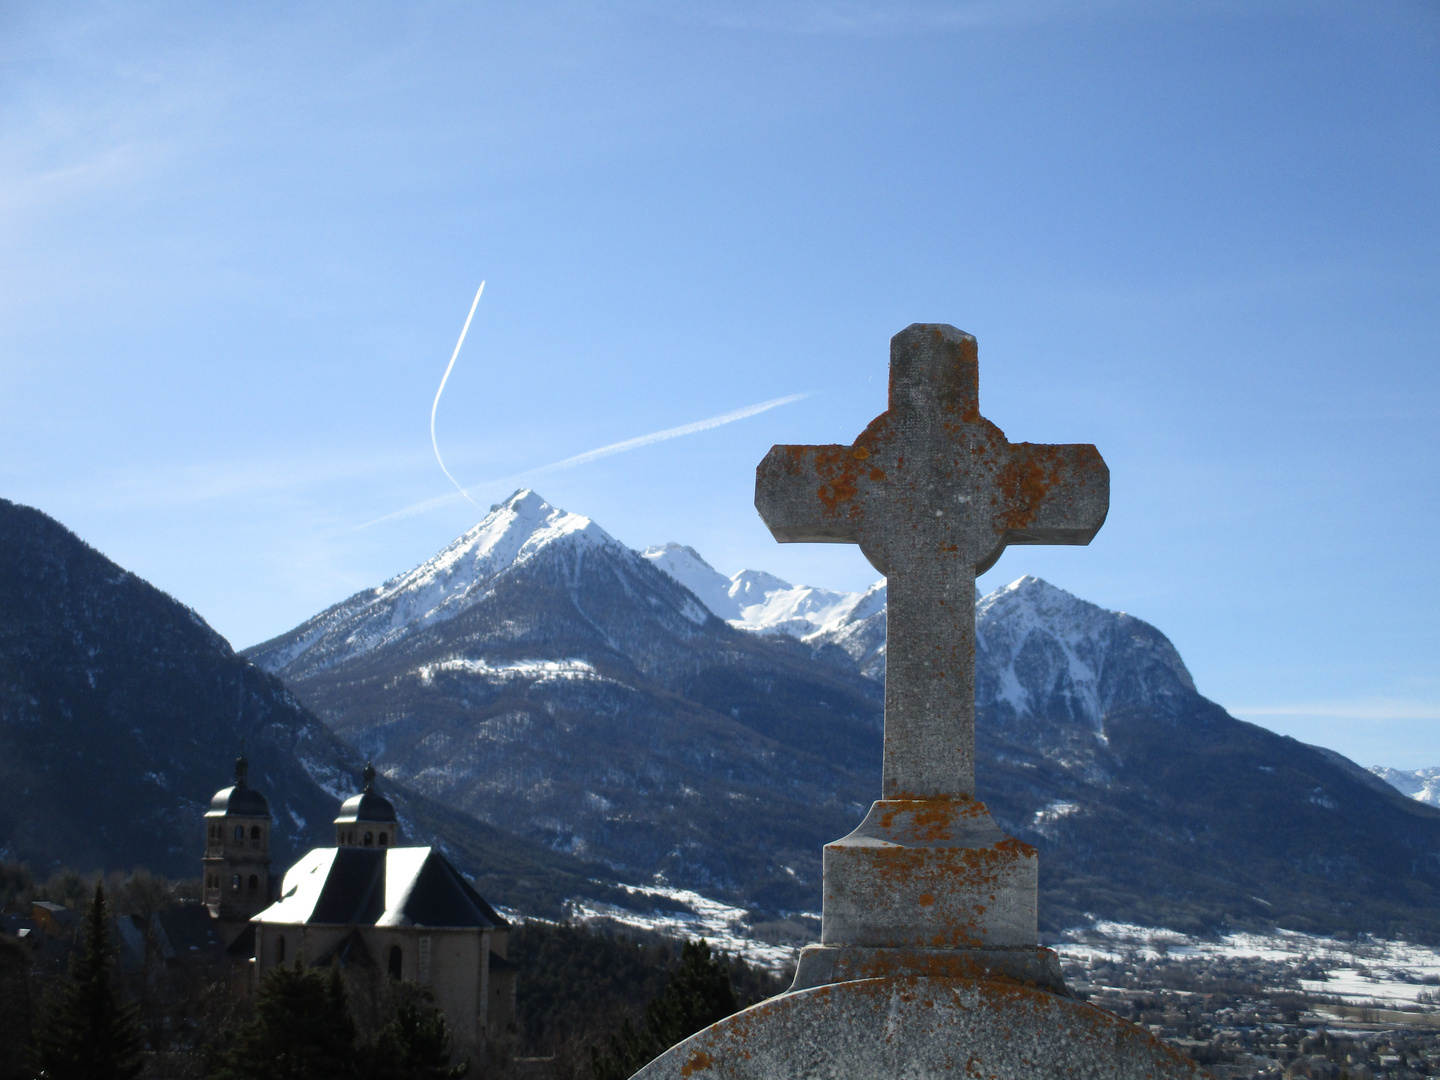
370 904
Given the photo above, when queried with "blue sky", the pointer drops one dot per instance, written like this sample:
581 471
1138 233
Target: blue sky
239 242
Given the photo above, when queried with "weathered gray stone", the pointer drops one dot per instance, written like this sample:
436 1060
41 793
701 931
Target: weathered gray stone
921 1029
932 492
931 873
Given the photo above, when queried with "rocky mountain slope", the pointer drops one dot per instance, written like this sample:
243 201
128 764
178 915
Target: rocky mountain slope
550 680
121 712
1152 804
546 678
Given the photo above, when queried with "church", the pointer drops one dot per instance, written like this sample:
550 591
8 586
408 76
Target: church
368 903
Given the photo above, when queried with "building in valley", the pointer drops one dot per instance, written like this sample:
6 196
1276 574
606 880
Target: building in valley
397 912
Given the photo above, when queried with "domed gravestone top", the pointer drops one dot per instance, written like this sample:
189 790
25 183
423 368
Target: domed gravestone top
928 963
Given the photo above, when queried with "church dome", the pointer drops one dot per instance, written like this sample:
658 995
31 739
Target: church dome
368 805
241 800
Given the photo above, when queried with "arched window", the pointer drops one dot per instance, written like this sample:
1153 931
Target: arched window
369 838
235 883
280 950
395 961
239 832
254 832
384 838
254 882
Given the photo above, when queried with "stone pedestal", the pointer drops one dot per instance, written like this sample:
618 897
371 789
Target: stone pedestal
929 887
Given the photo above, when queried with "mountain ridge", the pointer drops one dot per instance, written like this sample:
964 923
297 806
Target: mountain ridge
583 702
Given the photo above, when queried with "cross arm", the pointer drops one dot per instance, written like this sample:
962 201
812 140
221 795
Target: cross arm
1053 494
807 494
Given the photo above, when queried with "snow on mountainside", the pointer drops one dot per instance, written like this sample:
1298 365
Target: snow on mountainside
1042 651
764 604
608 703
756 601
546 678
1422 785
513 534
1038 647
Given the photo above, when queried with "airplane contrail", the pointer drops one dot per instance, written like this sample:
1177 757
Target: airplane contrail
600 452
654 437
443 380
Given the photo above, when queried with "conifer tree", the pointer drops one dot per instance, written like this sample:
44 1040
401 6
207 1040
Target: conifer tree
90 1032
302 1031
414 1044
698 994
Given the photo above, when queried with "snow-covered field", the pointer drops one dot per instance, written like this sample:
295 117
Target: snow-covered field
1366 972
1362 972
688 914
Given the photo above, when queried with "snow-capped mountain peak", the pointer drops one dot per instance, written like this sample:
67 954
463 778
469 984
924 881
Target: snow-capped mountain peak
1422 785
512 534
684 565
758 601
1044 650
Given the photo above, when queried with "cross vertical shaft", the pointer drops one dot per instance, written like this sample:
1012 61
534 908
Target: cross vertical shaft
930 707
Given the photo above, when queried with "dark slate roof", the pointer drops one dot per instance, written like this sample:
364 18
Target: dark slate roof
354 886
239 801
187 931
367 806
243 947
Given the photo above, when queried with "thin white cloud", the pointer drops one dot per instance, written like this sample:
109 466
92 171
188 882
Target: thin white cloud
592 455
869 18
233 481
1358 709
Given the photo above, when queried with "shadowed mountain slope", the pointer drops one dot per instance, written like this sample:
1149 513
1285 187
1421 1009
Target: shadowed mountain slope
121 713
546 678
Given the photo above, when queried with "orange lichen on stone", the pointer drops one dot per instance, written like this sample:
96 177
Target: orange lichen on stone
699 1061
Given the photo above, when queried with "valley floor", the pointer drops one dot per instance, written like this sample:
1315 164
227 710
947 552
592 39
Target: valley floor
1244 1005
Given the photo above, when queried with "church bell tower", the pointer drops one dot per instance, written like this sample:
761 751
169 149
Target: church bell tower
237 850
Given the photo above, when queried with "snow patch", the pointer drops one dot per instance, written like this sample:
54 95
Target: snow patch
720 924
1422 785
536 670
1362 972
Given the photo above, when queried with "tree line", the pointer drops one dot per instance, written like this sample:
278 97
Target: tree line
591 1005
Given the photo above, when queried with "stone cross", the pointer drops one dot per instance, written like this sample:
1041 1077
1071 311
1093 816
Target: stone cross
932 492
